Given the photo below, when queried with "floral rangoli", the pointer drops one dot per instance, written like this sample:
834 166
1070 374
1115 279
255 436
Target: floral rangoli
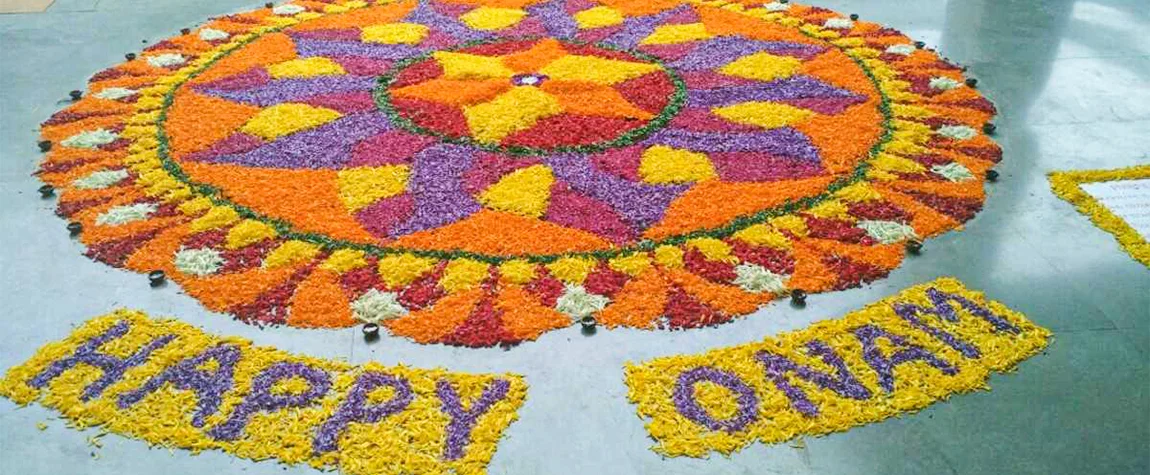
478 172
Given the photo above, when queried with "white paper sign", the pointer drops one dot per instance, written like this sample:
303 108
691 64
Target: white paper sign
1127 199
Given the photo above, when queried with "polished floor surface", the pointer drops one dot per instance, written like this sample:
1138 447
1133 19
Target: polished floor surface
1072 79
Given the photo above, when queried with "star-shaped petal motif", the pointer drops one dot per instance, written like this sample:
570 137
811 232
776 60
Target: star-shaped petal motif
500 95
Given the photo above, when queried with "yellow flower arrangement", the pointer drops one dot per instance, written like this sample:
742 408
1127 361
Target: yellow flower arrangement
169 384
895 356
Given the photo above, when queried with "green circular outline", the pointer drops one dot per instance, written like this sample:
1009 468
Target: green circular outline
678 99
286 229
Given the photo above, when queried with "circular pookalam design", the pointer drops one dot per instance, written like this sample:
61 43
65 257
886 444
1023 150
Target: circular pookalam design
478 172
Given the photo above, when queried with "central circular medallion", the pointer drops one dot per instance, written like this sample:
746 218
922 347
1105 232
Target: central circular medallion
532 96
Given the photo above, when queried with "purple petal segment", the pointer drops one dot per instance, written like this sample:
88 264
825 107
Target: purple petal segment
782 142
715 53
797 87
254 77
555 19
236 143
291 90
342 34
636 28
326 146
313 47
436 183
640 204
760 167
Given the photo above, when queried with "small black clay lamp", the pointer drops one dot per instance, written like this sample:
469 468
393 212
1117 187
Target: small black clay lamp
156 278
370 332
589 325
185 31
130 56
914 246
798 297
992 175
45 145
47 191
989 128
270 5
854 16
784 2
972 82
74 228
75 95
919 44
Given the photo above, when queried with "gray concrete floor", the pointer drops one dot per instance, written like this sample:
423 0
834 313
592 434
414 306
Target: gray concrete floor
1072 79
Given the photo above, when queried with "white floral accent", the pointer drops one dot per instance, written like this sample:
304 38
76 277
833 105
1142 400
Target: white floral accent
199 262
957 132
100 180
953 171
577 302
114 93
166 60
757 279
212 34
125 214
944 83
839 23
288 10
903 49
887 232
375 306
776 7
90 139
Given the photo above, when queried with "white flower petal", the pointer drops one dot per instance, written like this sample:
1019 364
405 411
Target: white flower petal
90 139
757 279
944 83
887 232
100 180
957 132
375 306
125 214
288 10
776 7
577 303
199 262
212 34
166 60
114 93
839 23
903 49
953 171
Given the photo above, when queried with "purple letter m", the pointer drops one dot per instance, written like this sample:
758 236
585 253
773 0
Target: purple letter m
944 311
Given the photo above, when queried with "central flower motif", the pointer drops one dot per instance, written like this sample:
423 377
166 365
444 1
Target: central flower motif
535 94
528 79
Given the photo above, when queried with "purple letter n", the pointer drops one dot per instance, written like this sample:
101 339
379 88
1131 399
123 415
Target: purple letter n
843 383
